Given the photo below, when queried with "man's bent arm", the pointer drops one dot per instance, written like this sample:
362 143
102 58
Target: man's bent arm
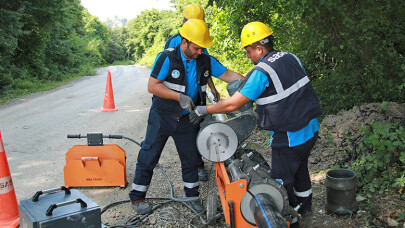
229 76
156 87
229 105
213 89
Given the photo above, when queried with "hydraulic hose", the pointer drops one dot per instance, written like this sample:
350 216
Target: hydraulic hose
132 140
168 200
107 136
187 199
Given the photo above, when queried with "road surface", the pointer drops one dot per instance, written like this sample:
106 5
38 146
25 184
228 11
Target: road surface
34 132
34 128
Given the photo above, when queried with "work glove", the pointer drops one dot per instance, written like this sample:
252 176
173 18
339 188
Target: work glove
186 102
198 114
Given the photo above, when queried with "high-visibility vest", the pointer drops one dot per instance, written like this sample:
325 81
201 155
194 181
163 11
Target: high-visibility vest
289 102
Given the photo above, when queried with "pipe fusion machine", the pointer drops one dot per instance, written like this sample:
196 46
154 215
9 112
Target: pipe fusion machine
248 194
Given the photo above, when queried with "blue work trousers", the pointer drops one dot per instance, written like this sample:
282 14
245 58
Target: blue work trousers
290 164
160 126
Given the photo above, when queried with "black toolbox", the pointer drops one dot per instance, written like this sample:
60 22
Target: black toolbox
60 207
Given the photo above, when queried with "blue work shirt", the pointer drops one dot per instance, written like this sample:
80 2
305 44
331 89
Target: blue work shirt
253 88
217 69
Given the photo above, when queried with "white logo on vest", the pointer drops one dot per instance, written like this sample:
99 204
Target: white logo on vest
175 74
277 56
207 73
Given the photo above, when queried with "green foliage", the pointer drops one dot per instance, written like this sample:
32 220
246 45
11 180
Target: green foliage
401 216
356 56
148 33
352 51
11 30
122 62
116 45
351 55
380 162
45 41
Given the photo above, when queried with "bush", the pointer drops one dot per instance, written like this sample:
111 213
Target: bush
380 163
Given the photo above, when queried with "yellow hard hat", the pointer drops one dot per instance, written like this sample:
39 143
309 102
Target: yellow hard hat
196 31
253 32
193 11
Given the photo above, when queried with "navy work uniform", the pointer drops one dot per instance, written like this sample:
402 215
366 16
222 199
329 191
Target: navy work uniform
286 105
167 118
173 42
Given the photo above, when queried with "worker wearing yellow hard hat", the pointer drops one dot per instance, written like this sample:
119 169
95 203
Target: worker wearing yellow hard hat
178 80
197 32
287 107
254 32
194 11
191 11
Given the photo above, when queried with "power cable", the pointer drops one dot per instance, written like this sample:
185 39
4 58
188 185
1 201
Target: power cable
168 200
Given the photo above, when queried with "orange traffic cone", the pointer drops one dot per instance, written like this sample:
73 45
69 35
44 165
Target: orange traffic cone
8 201
109 96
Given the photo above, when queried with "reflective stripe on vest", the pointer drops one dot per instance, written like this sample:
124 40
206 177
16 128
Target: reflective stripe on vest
140 188
191 185
274 76
284 93
204 88
176 87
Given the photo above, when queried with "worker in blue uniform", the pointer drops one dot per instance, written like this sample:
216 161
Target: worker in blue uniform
286 105
194 11
178 81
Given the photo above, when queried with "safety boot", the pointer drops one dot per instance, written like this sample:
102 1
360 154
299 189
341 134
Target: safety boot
141 207
197 206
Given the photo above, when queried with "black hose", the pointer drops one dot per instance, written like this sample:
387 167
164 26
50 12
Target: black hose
168 200
114 204
132 140
187 199
153 209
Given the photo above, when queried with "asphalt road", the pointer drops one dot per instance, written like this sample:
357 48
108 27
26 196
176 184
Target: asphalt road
34 128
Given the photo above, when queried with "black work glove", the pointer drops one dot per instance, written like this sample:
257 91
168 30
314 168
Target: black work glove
198 114
186 102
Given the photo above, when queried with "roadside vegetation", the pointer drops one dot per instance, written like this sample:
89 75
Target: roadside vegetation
377 155
353 52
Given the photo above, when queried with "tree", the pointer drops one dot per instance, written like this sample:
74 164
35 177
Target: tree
351 55
11 13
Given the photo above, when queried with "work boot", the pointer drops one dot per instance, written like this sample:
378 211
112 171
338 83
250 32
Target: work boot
202 175
141 207
197 206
